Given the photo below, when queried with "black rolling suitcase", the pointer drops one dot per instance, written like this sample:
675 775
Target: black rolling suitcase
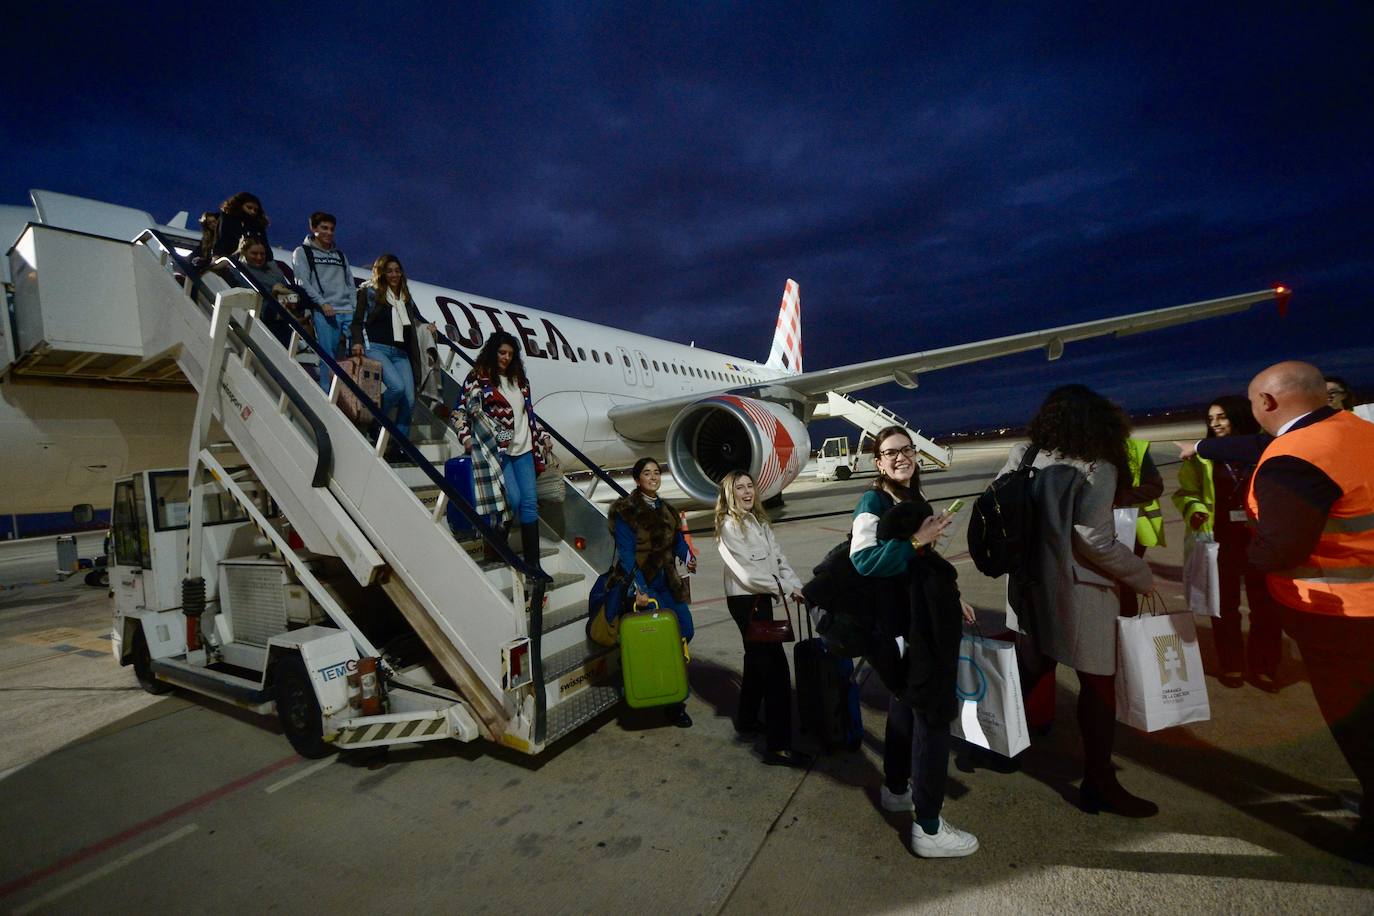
827 696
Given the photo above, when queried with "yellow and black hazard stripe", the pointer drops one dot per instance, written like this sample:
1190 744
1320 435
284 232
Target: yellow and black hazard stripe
414 730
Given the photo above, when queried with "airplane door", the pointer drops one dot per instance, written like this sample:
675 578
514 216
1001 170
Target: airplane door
631 377
644 369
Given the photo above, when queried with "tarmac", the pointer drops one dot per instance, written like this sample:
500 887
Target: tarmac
119 801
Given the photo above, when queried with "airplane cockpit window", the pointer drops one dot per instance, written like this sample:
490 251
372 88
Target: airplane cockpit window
172 507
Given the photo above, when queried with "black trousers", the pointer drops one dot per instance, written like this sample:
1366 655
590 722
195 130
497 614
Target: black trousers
916 749
1096 710
1265 646
1339 655
767 680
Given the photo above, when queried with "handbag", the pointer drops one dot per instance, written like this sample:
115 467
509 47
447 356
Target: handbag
1201 580
1159 677
991 711
766 629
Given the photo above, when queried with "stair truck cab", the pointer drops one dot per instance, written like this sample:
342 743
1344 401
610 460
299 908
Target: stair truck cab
255 632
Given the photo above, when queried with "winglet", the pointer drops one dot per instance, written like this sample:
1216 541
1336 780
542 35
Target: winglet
786 353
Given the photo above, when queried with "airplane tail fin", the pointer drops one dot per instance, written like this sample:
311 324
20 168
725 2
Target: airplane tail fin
786 353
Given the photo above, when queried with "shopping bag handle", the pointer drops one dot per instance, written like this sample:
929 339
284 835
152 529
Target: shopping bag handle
1152 603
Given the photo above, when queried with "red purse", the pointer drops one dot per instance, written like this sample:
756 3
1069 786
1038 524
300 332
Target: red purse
766 629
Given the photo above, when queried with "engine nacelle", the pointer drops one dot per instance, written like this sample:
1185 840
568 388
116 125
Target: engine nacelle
726 433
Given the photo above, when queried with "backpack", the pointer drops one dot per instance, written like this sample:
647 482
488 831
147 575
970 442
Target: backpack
1003 522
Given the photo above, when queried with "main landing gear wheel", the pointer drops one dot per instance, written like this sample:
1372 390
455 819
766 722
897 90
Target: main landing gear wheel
143 667
298 709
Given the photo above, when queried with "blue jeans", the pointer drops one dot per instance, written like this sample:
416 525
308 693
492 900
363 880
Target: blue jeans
399 380
328 333
518 475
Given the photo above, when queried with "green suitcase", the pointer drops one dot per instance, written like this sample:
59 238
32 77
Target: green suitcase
651 659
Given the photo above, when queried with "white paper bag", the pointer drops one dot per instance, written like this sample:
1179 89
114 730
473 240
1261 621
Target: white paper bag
991 713
1013 619
1201 583
1124 519
1159 681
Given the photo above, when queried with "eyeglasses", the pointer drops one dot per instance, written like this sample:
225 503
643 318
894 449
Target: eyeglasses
891 454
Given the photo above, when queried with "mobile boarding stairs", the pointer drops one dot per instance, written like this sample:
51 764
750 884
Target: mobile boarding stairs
362 567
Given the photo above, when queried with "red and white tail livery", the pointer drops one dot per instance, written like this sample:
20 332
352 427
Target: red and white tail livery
786 355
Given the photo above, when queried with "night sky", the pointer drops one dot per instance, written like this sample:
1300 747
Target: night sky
930 174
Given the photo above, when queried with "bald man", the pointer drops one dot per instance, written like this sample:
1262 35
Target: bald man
1312 499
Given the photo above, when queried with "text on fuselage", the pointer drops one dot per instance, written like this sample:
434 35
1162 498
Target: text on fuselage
468 332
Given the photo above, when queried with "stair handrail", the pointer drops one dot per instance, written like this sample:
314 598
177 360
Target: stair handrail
590 465
324 446
540 579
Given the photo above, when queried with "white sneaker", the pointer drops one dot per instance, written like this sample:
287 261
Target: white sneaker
895 801
946 843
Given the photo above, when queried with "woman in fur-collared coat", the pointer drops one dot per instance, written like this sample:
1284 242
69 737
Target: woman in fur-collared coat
648 544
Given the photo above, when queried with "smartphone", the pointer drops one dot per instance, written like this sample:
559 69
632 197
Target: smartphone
954 507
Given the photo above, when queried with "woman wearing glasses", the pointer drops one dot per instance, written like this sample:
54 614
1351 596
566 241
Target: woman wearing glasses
920 610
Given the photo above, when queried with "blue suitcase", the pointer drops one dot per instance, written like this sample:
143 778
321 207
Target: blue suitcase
458 472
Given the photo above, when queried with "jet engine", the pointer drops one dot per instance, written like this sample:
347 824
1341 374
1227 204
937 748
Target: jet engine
726 433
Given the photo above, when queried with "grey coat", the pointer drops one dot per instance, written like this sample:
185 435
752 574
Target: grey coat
1069 607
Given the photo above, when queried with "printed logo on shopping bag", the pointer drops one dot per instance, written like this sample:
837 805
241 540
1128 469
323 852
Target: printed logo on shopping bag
1169 653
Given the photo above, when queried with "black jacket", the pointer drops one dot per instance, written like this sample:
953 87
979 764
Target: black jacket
232 229
930 617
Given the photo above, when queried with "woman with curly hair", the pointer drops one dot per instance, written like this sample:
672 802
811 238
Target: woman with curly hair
241 216
1067 601
497 424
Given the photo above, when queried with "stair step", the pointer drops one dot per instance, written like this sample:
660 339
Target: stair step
572 658
561 617
546 550
580 709
560 579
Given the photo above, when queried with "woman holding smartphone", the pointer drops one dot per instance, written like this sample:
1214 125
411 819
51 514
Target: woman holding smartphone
892 538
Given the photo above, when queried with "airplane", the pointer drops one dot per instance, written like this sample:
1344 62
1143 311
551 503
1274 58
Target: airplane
615 394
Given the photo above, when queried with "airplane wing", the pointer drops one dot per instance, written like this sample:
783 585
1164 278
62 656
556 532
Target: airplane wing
649 421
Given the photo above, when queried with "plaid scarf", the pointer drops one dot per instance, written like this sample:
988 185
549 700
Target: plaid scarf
484 421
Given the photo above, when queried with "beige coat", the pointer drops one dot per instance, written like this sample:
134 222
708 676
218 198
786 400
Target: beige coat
1070 605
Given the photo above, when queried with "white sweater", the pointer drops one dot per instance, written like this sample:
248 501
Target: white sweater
753 560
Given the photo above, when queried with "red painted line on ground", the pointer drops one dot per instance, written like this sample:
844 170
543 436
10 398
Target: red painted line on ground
158 820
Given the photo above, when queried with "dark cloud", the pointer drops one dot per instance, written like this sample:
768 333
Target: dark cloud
929 175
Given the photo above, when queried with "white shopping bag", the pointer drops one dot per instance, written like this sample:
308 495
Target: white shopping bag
991 713
1124 519
1201 583
1159 680
1013 619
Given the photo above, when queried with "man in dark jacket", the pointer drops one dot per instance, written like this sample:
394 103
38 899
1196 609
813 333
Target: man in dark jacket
1312 501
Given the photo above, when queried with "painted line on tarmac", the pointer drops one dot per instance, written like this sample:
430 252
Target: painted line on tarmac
126 859
143 827
299 775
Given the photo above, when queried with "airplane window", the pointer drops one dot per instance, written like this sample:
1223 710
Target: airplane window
644 362
627 360
581 354
674 368
567 351
608 357
596 357
655 365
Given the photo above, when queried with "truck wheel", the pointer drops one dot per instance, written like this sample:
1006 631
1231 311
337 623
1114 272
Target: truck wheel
298 709
842 472
143 667
98 578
